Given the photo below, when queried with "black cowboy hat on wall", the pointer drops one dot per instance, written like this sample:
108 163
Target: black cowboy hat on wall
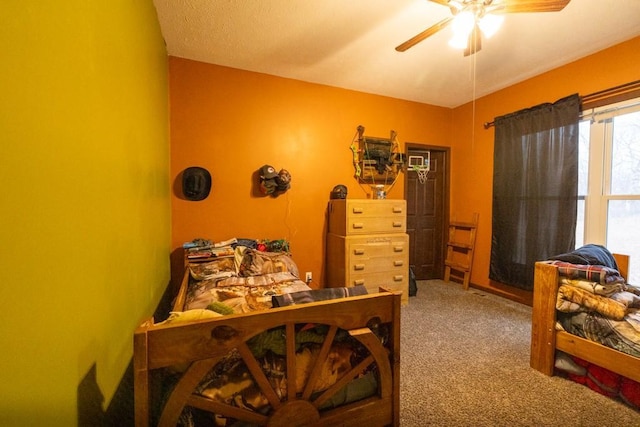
196 183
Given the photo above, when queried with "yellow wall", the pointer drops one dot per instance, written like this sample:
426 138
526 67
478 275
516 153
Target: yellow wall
472 145
232 122
85 210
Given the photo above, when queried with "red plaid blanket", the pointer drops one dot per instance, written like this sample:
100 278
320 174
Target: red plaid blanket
593 273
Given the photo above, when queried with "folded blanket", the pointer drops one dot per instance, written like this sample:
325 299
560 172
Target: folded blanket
594 287
571 299
622 335
628 299
633 289
305 297
593 273
590 254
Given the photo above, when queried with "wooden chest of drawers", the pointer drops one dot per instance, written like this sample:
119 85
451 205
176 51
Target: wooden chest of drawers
367 245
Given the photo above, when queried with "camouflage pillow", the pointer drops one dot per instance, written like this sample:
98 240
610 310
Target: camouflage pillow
256 263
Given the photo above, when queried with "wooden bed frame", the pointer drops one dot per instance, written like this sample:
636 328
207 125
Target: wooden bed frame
201 344
545 339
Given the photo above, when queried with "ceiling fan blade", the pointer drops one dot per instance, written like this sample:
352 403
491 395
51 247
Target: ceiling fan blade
423 35
475 42
523 6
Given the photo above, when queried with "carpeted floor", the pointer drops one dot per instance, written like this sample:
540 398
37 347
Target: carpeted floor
465 362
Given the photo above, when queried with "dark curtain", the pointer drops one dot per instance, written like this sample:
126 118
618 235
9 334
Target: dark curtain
535 189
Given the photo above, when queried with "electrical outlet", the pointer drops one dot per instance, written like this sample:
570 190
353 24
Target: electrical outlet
307 276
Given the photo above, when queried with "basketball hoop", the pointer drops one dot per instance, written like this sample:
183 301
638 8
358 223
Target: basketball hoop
421 165
423 172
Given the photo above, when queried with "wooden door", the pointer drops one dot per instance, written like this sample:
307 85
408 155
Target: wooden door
427 213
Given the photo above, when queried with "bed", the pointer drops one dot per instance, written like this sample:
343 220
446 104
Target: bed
228 364
555 347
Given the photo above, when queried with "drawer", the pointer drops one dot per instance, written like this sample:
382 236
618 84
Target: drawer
398 281
372 225
365 216
380 245
365 248
376 265
373 208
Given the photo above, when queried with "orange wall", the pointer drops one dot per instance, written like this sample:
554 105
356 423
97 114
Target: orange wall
232 122
472 145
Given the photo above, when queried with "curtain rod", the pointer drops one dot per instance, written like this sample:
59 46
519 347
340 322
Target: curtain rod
606 96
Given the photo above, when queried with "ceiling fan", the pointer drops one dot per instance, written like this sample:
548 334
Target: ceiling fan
471 17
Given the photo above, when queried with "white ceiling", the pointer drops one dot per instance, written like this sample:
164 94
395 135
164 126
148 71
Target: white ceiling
351 43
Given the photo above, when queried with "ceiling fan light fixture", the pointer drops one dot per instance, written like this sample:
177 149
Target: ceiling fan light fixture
490 24
459 41
462 25
472 18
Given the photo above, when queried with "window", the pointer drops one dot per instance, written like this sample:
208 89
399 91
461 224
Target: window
609 181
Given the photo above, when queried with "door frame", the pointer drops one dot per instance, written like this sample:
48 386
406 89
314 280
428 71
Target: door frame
446 193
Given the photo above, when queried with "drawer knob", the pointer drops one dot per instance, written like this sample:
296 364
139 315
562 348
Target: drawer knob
358 251
398 249
358 267
397 209
357 210
398 263
358 282
397 224
358 225
398 278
